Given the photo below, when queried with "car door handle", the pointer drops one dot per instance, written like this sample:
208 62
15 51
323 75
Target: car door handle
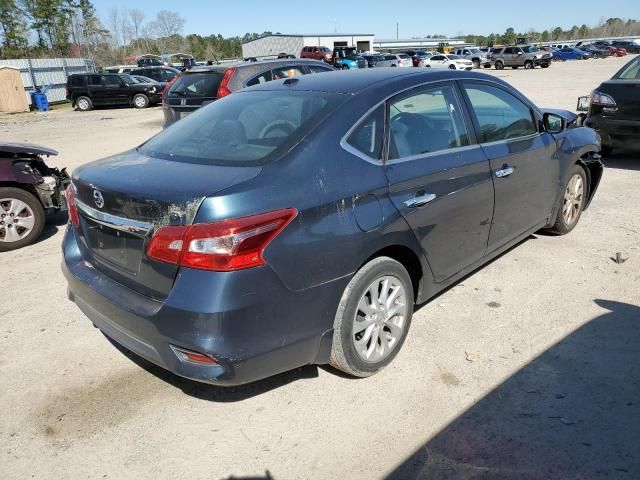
420 200
504 172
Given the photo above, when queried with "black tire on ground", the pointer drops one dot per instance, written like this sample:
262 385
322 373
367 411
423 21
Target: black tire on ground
84 104
452 67
476 63
544 65
515 67
528 65
38 213
499 65
595 55
140 100
345 67
344 355
561 226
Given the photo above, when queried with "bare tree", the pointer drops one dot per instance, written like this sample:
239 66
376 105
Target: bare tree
168 23
136 18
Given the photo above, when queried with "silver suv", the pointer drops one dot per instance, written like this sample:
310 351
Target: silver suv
526 56
477 56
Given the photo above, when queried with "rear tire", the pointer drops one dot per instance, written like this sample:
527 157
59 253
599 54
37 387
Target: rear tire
574 197
84 104
499 65
373 318
140 100
27 222
528 65
544 65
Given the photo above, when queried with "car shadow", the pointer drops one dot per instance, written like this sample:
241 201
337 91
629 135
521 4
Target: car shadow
572 412
624 160
51 226
212 393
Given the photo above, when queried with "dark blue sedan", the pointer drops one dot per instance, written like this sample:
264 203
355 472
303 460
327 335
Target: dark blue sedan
299 222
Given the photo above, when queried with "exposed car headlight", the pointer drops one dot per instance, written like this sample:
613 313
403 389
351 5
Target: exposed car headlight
602 99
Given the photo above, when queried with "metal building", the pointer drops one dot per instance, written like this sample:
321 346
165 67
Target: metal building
396 45
272 45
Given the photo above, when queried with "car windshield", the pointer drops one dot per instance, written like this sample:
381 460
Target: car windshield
454 57
128 79
530 49
248 128
325 49
475 50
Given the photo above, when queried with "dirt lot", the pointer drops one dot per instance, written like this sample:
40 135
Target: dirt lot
526 369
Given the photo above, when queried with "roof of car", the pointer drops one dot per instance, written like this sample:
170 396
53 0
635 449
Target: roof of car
274 62
355 81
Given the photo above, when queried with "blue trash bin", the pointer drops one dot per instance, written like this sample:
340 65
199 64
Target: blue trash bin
39 100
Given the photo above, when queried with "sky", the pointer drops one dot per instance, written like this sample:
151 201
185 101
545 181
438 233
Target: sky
415 18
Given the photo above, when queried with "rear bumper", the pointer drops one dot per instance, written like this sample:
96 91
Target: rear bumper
248 320
616 133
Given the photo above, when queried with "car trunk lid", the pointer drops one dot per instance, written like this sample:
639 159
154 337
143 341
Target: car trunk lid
123 199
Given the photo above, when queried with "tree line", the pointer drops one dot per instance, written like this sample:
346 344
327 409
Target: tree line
55 28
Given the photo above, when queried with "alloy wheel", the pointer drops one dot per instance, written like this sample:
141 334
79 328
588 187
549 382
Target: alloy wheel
573 199
380 319
83 104
16 220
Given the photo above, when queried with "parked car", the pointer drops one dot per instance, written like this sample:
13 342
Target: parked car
419 57
614 109
346 58
162 75
615 51
595 51
404 60
452 62
526 56
277 228
477 56
141 79
285 56
30 191
317 53
629 46
570 53
202 85
87 90
382 60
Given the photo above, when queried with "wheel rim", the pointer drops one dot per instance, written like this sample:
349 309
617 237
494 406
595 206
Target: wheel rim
83 104
380 319
573 199
139 101
16 220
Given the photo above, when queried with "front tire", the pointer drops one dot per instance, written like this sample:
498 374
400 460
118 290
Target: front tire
373 318
476 63
528 65
452 67
21 218
140 100
499 65
572 203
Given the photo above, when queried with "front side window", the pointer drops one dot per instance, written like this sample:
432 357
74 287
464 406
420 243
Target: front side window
367 137
248 128
425 122
112 81
630 72
500 115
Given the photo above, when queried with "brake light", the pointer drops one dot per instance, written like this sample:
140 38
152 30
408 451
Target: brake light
223 89
168 85
72 207
220 246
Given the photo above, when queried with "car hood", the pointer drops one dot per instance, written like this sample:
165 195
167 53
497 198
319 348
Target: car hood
26 148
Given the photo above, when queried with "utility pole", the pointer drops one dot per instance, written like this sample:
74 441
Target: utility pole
397 30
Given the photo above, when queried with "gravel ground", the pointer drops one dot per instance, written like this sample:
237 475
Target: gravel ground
525 369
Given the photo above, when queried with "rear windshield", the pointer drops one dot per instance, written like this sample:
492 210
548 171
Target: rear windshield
196 85
404 56
247 128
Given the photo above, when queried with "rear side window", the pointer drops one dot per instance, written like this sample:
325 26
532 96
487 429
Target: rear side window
248 128
196 85
367 137
630 72
112 81
500 115
262 78
95 80
77 81
286 72
424 122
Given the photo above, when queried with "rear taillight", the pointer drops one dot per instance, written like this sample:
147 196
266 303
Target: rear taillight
221 246
223 89
168 85
72 207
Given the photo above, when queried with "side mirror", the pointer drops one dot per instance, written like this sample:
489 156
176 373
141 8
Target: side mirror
583 104
553 123
519 53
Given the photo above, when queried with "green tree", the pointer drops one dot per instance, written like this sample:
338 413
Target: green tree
13 28
545 36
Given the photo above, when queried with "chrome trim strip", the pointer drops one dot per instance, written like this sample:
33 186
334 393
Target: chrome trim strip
122 224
